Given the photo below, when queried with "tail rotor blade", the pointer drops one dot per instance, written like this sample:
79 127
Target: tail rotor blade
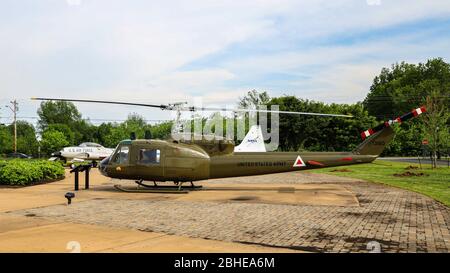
414 113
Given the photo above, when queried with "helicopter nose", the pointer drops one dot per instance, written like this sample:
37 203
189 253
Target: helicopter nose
103 164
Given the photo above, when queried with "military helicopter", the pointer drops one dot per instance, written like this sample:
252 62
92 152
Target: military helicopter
191 160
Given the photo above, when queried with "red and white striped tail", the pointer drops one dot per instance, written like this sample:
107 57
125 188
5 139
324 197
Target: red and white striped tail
419 111
366 133
405 117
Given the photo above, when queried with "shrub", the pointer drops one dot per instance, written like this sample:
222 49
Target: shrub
51 169
25 172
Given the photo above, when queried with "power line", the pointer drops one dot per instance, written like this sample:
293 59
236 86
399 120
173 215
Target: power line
95 121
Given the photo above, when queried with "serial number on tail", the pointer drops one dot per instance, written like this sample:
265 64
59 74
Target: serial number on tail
261 164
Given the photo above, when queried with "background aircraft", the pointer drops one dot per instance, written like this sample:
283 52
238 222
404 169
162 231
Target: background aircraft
84 151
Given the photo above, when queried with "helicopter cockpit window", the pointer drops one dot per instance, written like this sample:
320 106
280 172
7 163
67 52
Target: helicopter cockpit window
149 156
90 144
121 156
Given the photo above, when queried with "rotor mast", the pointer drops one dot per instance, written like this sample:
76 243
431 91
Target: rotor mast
178 107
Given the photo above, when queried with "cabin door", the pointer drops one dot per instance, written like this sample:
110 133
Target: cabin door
150 163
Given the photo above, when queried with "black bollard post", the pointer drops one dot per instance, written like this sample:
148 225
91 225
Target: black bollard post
69 197
76 179
86 178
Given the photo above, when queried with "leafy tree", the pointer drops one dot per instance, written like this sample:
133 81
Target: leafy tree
118 132
84 131
65 129
162 130
302 132
26 138
53 141
406 140
435 125
135 120
6 140
101 132
404 87
253 98
343 134
62 116
58 112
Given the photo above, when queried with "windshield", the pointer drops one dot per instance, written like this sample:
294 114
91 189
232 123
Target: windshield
90 144
121 154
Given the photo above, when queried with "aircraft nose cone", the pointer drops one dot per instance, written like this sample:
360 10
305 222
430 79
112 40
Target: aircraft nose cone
103 164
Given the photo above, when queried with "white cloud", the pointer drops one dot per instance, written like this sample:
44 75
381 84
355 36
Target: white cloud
340 83
138 50
338 73
73 2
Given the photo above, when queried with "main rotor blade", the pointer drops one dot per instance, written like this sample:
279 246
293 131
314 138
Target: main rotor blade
107 102
264 111
193 108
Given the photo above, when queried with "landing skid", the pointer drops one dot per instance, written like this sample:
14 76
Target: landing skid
178 186
155 188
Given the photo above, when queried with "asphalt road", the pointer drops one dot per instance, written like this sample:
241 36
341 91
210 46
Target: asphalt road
441 162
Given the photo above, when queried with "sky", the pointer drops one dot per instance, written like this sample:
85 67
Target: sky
206 51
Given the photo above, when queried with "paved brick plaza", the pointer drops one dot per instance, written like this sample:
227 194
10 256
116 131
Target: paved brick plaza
399 220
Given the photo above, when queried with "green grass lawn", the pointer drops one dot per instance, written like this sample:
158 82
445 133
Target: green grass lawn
435 183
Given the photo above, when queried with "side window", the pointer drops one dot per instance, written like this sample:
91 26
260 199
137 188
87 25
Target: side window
149 156
121 157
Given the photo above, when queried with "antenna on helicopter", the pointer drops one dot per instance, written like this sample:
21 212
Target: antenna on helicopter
178 107
148 134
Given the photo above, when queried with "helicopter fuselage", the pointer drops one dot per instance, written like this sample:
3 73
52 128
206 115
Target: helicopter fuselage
178 161
158 160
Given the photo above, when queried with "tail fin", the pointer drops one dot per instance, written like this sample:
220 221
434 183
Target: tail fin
375 144
381 135
253 141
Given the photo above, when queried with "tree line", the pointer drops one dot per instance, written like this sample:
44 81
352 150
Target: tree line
396 90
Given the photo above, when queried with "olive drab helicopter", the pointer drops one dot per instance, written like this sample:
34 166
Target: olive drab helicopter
190 160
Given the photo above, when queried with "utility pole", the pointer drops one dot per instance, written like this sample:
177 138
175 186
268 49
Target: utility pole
14 109
1 119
